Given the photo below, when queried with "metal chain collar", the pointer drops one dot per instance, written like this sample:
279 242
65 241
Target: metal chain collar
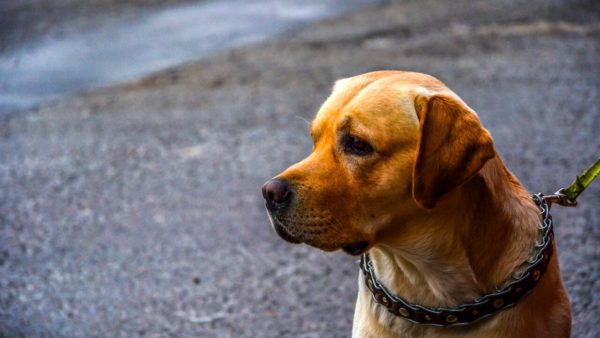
484 306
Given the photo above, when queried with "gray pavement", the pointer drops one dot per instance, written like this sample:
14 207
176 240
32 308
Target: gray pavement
135 211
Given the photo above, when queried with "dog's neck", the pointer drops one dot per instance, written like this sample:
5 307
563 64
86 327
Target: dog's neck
470 244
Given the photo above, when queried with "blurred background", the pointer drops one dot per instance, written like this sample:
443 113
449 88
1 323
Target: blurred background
135 136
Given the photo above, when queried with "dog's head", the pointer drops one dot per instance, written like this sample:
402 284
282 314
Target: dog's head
387 146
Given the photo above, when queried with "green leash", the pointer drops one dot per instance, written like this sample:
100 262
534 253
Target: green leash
583 181
567 197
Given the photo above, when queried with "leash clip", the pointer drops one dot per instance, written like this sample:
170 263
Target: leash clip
560 198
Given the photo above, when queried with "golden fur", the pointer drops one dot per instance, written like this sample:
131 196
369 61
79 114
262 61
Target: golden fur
444 219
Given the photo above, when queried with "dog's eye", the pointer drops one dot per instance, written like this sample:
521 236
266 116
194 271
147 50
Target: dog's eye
355 146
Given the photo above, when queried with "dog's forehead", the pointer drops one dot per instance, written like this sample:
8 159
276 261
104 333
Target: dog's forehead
372 97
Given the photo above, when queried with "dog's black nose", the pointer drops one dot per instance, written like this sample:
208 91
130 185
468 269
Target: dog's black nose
277 193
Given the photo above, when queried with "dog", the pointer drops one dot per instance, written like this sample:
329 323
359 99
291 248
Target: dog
402 169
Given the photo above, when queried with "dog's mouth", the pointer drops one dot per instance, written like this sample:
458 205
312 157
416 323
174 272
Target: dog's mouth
284 234
356 249
282 231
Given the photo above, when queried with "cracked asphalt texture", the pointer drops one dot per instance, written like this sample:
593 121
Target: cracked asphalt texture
135 211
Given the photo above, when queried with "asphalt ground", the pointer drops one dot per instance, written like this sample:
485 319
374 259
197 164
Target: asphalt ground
135 210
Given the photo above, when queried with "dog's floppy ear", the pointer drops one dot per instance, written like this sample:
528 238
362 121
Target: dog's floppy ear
452 147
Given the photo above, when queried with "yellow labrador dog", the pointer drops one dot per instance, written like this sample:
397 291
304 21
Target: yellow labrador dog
403 173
